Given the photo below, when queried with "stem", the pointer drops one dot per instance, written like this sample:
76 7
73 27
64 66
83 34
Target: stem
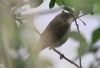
63 57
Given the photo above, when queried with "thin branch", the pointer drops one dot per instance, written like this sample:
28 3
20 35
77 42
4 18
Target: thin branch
77 27
80 62
63 57
82 21
75 22
79 32
80 59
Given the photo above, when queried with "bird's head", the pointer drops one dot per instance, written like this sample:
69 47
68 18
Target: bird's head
66 14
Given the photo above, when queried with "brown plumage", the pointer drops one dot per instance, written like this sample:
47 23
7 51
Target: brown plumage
56 33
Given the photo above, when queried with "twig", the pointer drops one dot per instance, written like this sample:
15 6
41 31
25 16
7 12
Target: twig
75 22
80 62
82 21
80 59
79 32
63 57
77 27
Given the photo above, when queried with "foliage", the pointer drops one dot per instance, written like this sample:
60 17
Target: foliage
83 43
18 35
86 48
87 6
95 35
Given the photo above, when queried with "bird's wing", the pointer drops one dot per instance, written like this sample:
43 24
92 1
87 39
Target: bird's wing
48 37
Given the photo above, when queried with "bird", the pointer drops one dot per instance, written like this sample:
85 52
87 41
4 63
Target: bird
56 32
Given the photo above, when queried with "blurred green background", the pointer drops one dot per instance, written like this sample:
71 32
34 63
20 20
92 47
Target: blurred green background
19 36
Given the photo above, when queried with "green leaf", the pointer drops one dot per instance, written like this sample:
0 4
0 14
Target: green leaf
97 8
88 10
79 37
96 35
93 49
65 2
59 2
86 5
52 4
82 49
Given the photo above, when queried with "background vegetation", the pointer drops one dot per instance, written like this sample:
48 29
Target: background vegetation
18 36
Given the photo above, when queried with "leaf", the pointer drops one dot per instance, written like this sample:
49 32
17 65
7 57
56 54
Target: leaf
96 35
79 37
88 10
52 4
35 3
93 49
82 49
97 8
64 2
59 2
